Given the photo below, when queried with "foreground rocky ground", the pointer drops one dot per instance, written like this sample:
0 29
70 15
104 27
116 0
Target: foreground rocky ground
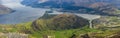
13 35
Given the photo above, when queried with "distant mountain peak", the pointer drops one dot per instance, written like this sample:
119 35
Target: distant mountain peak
71 2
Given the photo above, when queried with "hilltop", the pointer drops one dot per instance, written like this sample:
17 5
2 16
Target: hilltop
60 22
64 26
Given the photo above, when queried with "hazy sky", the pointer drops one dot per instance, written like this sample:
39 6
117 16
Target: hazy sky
13 4
10 1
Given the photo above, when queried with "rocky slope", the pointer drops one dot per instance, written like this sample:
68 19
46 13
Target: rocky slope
5 10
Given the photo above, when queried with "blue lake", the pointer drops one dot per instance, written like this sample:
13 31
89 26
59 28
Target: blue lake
22 13
25 13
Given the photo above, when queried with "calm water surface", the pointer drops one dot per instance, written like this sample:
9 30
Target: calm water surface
26 14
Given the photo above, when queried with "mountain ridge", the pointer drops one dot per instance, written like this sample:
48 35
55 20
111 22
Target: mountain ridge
5 10
73 2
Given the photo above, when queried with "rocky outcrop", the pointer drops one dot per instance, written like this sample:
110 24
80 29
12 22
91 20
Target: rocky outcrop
5 10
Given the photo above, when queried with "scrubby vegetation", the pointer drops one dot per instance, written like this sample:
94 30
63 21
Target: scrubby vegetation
60 22
66 25
71 33
107 21
55 27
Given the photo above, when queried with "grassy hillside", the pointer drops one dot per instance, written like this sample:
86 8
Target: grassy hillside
60 22
59 26
71 33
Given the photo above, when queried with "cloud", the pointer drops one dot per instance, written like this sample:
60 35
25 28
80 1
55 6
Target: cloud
42 1
10 1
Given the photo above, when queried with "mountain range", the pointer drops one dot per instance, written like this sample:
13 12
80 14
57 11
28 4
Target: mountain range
101 7
69 2
5 10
